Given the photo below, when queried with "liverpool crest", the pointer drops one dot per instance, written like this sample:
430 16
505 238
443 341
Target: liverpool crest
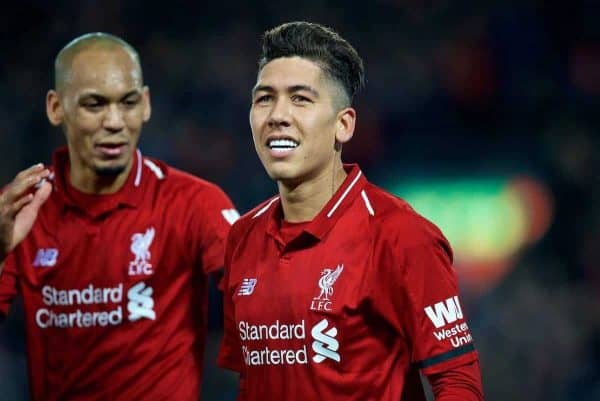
326 282
140 247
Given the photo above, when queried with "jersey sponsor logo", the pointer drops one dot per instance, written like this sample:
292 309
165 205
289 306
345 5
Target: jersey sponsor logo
326 282
458 335
275 331
445 312
272 356
141 303
93 306
247 286
45 257
53 315
279 332
325 344
140 247
46 318
231 215
89 295
281 343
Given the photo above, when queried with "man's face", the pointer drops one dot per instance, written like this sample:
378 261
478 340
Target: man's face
293 119
102 107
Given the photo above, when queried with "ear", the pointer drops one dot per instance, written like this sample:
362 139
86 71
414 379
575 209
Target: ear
54 108
147 105
346 121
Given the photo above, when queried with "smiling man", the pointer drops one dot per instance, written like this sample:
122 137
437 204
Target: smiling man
111 250
334 290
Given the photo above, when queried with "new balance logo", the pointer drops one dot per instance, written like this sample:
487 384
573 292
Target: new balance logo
46 257
231 215
247 286
444 312
140 303
325 344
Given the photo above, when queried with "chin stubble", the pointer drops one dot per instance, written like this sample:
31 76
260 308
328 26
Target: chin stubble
109 171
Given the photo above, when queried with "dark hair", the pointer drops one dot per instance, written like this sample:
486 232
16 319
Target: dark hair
336 57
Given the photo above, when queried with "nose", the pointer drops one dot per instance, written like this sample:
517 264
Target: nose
280 114
113 120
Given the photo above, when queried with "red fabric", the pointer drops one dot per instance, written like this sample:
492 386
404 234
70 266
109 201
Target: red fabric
115 287
462 383
8 284
289 231
393 306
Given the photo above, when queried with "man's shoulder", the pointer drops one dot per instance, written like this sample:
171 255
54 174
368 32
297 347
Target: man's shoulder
254 217
395 218
174 179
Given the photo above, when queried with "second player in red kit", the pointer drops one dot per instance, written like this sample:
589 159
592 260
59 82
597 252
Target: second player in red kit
111 250
335 290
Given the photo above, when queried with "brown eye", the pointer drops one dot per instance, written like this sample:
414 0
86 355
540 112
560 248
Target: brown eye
300 99
263 99
130 102
93 106
93 103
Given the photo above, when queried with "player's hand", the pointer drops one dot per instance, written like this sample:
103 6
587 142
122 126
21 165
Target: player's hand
19 206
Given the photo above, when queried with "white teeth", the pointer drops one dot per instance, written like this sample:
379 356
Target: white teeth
282 144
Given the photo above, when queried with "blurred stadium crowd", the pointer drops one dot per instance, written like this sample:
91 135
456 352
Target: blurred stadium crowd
454 88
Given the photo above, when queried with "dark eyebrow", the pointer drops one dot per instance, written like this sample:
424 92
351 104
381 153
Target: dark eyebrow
303 88
92 95
97 96
262 88
291 89
134 92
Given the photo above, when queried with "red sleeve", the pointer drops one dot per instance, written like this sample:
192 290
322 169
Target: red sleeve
461 383
211 226
417 293
441 338
230 352
8 284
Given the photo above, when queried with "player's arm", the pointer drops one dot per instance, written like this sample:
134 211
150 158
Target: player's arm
230 352
20 202
9 283
442 341
417 293
462 383
209 226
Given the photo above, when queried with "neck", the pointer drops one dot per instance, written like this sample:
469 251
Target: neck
304 201
86 180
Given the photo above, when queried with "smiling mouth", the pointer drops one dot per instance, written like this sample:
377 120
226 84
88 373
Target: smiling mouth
111 149
282 145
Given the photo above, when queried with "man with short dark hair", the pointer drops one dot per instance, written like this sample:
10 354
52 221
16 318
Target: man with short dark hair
334 289
111 250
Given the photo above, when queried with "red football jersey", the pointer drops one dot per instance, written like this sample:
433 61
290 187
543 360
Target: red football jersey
350 308
115 286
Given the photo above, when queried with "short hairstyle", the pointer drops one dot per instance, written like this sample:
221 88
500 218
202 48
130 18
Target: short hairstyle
64 59
336 57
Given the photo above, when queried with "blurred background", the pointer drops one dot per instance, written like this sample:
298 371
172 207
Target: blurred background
484 115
